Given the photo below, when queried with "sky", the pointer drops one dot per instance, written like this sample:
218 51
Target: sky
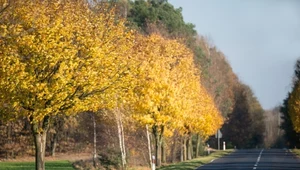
260 39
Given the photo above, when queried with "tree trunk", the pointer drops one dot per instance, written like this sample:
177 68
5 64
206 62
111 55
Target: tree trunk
53 144
149 146
40 145
8 139
39 131
184 149
123 144
95 141
198 146
181 149
118 117
192 148
189 147
58 124
173 149
163 151
158 140
158 151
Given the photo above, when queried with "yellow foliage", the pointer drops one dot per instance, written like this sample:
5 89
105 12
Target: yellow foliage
169 92
60 56
294 107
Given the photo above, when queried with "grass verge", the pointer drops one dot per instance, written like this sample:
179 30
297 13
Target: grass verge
195 163
296 151
51 165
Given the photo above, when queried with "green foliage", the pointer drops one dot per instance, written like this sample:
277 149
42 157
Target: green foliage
111 157
202 146
229 145
245 127
159 12
296 151
290 135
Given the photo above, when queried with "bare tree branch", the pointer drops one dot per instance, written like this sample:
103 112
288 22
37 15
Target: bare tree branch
4 6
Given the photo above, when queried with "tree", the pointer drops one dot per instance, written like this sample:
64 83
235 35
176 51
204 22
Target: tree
274 135
217 75
119 120
163 15
162 18
169 92
290 135
59 58
155 103
245 127
290 111
294 98
238 127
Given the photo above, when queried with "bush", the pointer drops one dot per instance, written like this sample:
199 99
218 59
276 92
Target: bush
110 158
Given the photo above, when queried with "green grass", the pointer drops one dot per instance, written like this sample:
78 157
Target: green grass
194 163
52 165
296 151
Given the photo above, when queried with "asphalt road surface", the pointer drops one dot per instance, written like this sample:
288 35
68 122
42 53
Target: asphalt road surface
258 159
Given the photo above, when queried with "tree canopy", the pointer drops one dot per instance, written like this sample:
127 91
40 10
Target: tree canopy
62 58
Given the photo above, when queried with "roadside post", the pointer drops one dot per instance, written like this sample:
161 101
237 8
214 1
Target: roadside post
208 149
224 145
153 162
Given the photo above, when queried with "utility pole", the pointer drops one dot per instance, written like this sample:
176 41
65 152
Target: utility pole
218 136
278 131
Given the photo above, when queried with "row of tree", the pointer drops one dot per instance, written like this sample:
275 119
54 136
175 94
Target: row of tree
81 74
68 57
243 114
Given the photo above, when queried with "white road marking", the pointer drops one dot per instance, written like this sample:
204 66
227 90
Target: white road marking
258 159
212 160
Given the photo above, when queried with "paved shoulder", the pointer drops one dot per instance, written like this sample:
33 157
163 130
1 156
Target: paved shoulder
256 159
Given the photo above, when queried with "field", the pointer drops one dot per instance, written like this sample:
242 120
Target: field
51 165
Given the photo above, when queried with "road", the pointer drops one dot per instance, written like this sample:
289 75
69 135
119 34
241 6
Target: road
256 159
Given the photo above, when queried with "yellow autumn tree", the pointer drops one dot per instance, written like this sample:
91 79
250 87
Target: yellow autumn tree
294 107
198 109
169 94
60 57
155 90
198 113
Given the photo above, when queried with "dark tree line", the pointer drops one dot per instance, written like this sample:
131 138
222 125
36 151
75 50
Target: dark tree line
245 127
292 138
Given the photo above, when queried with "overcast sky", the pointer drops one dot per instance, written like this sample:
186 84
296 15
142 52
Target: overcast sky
260 38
